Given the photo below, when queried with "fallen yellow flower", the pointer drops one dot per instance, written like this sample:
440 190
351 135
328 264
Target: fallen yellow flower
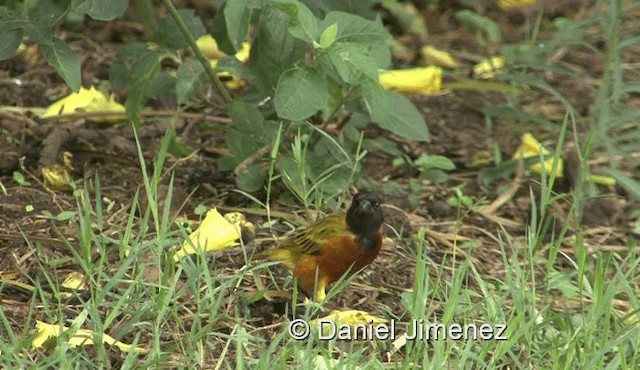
437 57
57 176
514 4
530 147
488 67
75 280
80 338
421 80
215 233
350 318
87 100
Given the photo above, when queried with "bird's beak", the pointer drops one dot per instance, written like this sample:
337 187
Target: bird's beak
366 205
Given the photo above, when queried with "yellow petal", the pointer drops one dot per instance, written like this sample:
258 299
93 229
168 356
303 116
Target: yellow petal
350 317
74 280
531 147
229 80
487 68
80 338
209 47
602 180
215 233
422 80
514 4
243 54
433 56
56 177
87 100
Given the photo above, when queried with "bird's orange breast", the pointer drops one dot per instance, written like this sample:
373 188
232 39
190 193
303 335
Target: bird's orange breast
337 256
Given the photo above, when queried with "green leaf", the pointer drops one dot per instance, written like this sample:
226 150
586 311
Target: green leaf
20 179
100 9
404 119
352 62
435 175
162 84
376 100
274 50
239 147
303 24
10 42
246 117
434 161
11 32
141 75
237 17
190 78
300 93
252 178
123 61
168 34
352 28
363 8
355 29
328 36
480 23
64 60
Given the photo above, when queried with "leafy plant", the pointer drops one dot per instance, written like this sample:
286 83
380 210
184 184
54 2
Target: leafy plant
309 62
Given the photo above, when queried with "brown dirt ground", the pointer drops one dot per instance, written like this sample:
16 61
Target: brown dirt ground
456 123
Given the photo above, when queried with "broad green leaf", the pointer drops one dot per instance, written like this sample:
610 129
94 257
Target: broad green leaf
143 71
355 29
404 119
363 8
237 17
352 28
328 36
10 42
11 32
10 20
190 78
434 161
274 50
303 24
239 147
376 100
169 35
123 61
434 175
300 93
162 84
246 117
252 178
100 9
64 60
352 62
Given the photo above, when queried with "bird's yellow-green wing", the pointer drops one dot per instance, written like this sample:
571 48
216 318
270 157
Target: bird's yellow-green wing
311 239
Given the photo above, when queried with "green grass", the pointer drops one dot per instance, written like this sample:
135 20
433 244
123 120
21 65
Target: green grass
566 300
192 314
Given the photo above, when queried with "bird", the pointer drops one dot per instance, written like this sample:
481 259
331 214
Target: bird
323 252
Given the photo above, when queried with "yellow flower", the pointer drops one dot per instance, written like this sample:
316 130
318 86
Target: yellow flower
215 233
87 100
421 80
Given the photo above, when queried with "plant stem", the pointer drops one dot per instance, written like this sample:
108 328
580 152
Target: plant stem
196 50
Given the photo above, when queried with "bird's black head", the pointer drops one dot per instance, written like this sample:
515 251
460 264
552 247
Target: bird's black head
365 217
